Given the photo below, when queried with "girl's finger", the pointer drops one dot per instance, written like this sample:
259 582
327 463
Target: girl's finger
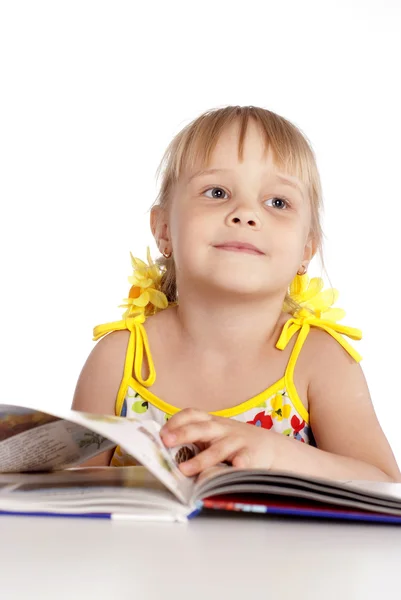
247 457
200 431
187 415
241 460
218 452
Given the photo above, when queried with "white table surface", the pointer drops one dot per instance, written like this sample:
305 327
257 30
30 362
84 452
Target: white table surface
226 557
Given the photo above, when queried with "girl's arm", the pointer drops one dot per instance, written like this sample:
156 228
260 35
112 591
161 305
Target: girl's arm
99 381
351 443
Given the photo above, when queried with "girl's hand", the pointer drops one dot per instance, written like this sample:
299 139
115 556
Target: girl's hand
220 439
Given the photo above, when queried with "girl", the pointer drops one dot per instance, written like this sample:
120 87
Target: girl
251 364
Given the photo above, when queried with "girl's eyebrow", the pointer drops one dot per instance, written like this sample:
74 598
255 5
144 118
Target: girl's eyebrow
294 183
206 172
286 180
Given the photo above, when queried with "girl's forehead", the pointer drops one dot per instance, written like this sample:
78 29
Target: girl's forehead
230 152
230 147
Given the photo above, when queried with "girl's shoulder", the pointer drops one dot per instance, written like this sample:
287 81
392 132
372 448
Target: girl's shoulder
109 352
101 375
322 352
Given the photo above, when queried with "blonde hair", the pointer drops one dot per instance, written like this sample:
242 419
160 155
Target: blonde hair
195 143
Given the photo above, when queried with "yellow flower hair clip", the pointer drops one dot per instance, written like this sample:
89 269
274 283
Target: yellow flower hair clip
145 295
308 294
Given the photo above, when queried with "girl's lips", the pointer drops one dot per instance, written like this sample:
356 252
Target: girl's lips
239 247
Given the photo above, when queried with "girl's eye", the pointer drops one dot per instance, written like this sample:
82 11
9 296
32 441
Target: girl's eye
216 193
278 203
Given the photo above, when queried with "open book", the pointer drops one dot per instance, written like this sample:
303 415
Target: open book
40 452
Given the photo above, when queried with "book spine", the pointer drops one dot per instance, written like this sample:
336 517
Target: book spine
312 513
171 518
9 513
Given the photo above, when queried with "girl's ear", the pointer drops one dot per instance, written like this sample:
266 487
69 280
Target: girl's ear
160 229
309 251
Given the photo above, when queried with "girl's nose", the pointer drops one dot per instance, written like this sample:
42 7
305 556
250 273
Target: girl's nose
244 216
237 221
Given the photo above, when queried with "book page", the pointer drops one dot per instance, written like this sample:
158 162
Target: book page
132 491
220 480
32 440
141 439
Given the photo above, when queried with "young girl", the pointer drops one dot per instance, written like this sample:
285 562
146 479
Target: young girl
251 363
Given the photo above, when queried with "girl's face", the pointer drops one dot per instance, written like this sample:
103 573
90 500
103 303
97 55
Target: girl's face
238 227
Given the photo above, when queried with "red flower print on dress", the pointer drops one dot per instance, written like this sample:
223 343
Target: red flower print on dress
297 426
262 420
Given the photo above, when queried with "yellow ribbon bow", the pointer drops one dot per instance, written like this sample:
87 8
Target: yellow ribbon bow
138 346
316 311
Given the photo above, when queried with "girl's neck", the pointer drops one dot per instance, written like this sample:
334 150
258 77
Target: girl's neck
226 325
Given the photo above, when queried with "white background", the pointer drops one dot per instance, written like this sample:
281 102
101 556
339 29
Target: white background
91 94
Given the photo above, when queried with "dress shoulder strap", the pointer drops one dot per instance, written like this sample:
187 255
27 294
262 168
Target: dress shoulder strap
138 347
144 298
314 309
303 325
